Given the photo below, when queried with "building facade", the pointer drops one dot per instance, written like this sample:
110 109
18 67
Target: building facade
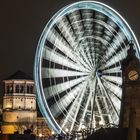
19 104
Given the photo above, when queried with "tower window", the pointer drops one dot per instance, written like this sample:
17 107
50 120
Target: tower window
31 89
7 89
21 89
28 89
10 88
17 88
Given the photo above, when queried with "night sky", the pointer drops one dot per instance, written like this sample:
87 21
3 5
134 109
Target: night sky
22 21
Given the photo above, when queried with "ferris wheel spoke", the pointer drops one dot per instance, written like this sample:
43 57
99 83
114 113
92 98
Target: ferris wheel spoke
100 111
54 73
55 38
72 113
108 32
93 91
116 58
116 69
77 109
112 51
115 100
115 79
66 29
90 58
111 34
56 89
59 59
71 52
83 53
107 96
85 111
76 23
119 42
65 101
107 106
81 61
90 98
113 88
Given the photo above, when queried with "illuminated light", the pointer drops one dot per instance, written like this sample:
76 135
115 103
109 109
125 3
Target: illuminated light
53 133
40 135
79 52
66 130
101 123
8 105
8 129
83 126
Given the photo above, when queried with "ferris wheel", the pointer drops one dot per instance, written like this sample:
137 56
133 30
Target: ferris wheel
77 66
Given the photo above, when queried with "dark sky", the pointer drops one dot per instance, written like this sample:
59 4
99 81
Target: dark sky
22 21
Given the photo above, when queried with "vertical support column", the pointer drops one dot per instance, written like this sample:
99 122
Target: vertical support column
25 88
14 87
132 124
25 92
5 88
13 104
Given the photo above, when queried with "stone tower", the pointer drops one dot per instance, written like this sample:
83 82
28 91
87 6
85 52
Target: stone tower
19 104
130 108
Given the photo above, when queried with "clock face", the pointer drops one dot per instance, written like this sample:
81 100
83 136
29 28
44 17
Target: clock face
133 75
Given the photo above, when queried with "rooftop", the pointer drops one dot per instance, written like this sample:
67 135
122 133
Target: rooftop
19 75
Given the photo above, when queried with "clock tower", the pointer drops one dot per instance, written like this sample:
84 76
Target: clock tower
130 107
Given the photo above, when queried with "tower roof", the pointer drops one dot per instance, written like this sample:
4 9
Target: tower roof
131 56
19 75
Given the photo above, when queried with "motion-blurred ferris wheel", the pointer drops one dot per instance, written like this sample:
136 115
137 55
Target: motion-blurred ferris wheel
77 66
